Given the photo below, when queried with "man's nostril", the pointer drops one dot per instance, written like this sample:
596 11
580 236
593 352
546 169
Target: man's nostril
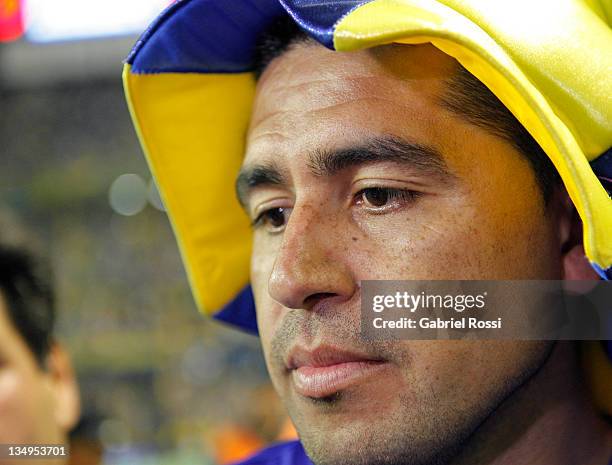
313 299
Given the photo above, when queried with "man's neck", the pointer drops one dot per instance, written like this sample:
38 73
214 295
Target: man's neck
549 420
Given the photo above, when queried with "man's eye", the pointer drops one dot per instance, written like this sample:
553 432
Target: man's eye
381 197
273 219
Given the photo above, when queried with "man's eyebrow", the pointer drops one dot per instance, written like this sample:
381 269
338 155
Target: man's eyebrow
260 175
424 159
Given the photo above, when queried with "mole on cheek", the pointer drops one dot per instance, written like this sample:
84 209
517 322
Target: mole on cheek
354 239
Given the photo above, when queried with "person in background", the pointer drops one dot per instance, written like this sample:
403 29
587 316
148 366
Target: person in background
39 399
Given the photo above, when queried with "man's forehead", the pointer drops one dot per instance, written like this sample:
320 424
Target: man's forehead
404 61
312 67
310 79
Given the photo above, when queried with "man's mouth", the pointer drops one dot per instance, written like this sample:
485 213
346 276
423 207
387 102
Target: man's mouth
326 370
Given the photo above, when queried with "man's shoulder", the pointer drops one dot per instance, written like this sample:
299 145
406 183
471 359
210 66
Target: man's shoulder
284 453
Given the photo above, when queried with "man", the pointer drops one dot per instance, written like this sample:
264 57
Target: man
39 400
386 161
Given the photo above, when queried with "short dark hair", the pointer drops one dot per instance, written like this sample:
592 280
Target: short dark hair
465 96
30 302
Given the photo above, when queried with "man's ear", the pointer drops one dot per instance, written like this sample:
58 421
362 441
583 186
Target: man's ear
65 390
576 266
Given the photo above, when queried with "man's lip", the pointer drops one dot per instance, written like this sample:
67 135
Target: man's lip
326 370
324 356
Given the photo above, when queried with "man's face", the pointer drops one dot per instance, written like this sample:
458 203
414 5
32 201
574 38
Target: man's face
37 406
358 173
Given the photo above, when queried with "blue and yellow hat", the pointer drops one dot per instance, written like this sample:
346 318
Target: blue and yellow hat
190 90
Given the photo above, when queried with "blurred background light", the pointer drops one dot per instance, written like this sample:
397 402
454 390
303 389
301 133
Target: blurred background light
11 20
154 197
128 194
59 20
202 365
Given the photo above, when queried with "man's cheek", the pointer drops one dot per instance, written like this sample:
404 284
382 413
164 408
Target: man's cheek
268 324
269 314
268 319
429 251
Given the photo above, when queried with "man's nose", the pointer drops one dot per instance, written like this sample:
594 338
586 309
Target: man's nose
312 263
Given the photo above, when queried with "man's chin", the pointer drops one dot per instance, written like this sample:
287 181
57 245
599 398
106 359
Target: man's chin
353 427
371 442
